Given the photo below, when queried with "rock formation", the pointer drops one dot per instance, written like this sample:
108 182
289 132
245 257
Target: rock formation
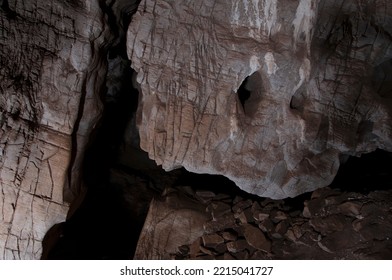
331 224
50 73
271 94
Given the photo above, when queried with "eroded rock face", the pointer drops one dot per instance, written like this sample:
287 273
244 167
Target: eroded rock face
49 76
172 222
318 86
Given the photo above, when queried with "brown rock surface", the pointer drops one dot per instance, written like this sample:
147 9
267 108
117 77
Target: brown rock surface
256 238
172 222
317 86
48 103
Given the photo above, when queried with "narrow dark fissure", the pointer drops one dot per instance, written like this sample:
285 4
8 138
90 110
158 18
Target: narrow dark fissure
243 93
104 226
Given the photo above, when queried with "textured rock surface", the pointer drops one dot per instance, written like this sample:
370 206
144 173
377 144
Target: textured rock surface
170 223
329 224
49 75
318 86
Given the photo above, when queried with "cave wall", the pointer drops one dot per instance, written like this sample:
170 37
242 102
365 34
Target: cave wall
270 94
317 88
51 71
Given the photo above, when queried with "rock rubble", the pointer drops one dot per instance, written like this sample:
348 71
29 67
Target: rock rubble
330 224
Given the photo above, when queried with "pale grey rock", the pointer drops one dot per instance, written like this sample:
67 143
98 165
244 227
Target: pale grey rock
318 84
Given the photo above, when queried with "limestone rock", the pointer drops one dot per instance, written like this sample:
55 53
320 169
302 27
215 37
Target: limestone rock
267 93
175 221
48 106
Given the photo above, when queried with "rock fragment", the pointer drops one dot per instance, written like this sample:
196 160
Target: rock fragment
256 238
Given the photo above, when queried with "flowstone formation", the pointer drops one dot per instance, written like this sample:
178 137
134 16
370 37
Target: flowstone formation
271 94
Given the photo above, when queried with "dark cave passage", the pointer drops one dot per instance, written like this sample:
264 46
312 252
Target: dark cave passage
372 171
121 180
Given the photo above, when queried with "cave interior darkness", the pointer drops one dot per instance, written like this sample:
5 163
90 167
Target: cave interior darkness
121 180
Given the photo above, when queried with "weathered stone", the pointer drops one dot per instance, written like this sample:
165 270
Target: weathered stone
49 78
212 240
241 217
350 209
170 223
230 235
327 225
274 109
256 207
206 251
183 250
222 223
256 238
259 255
327 235
218 209
281 229
228 256
205 196
374 229
237 246
242 255
313 207
245 216
297 231
266 225
260 216
194 248
342 240
268 203
277 216
221 248
242 205
290 235
306 212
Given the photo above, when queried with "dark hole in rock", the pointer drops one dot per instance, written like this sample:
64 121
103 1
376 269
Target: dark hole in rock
243 93
6 8
298 99
250 93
